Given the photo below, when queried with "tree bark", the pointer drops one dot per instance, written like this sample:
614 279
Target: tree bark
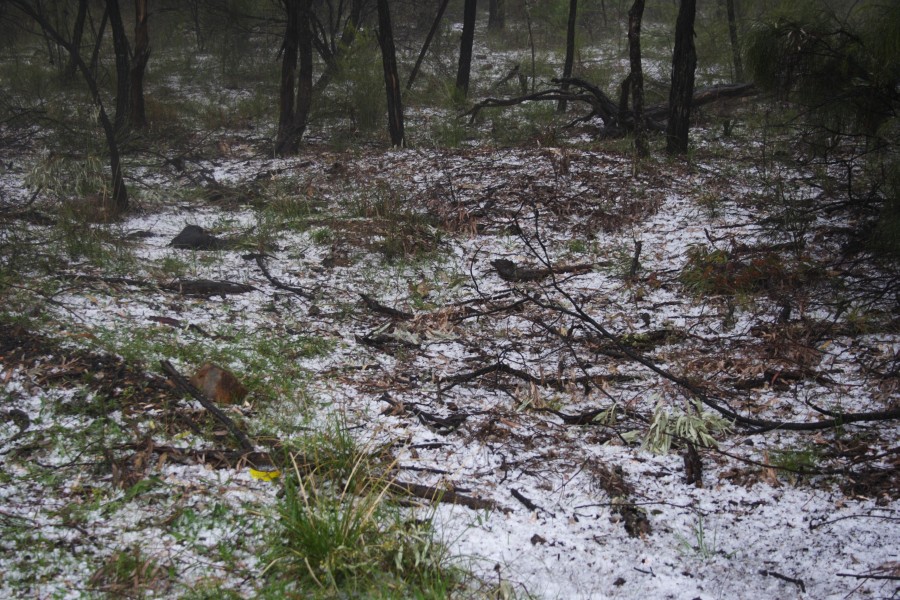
735 44
465 48
684 63
496 15
123 69
425 46
98 42
570 49
332 52
293 111
391 79
138 115
635 16
77 35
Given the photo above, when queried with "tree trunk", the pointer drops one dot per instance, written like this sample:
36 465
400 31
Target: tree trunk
465 48
138 115
735 45
77 35
684 63
570 49
120 45
431 32
391 79
98 42
635 15
332 55
289 50
496 15
294 115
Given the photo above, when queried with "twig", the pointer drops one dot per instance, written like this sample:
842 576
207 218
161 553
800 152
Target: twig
261 263
864 576
798 582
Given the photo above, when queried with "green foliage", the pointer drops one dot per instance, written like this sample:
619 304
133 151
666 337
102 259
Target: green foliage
702 544
697 426
338 536
130 573
357 93
794 463
717 272
841 70
535 122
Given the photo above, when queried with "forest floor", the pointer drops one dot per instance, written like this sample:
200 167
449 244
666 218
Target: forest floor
552 399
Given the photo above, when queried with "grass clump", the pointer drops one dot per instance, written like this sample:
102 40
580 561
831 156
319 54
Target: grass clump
340 536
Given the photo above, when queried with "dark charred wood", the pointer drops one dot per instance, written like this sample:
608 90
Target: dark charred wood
380 308
207 287
194 237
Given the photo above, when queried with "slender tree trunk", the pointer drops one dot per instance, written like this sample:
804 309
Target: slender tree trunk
391 79
123 69
496 15
465 47
77 36
570 50
305 78
425 46
332 57
289 49
735 44
530 43
684 63
138 115
293 111
95 55
635 15
624 93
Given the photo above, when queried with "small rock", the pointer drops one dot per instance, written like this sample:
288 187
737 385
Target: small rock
218 385
194 237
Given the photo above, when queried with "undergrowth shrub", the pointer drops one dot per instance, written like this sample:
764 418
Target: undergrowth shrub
340 534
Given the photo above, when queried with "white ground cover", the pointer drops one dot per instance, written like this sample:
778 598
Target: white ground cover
749 531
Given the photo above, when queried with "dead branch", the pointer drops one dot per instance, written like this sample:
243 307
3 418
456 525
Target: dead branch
776 575
576 311
186 386
260 262
527 503
378 307
615 122
450 496
440 425
206 287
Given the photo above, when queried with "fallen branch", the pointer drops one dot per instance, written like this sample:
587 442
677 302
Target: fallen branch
864 576
776 575
440 425
378 307
186 386
762 425
434 494
260 262
528 503
207 287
